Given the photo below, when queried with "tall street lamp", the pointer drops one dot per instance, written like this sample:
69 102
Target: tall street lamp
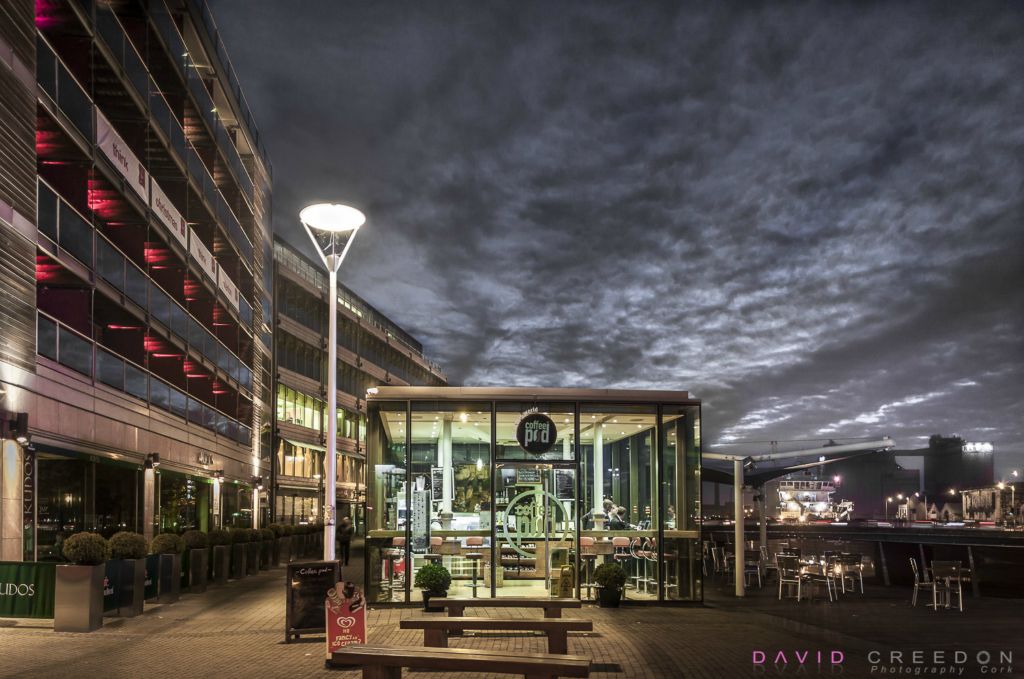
332 228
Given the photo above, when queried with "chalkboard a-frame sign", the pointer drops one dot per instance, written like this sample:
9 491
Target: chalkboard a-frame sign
306 589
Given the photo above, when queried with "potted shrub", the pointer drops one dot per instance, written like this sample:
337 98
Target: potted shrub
252 556
169 546
610 579
266 548
220 547
195 562
433 579
239 550
128 550
79 595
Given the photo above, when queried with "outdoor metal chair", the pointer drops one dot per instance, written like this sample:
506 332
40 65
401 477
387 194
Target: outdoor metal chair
946 576
752 566
767 563
919 584
851 567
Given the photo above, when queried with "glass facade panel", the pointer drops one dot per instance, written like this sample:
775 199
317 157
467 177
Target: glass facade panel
680 513
110 369
75 352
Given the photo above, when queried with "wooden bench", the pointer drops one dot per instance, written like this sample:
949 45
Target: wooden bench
381 662
552 607
435 630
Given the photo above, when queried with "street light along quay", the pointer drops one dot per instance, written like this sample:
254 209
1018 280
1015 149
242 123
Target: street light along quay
332 228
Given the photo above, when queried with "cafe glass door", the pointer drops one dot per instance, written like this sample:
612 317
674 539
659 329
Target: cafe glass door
534 523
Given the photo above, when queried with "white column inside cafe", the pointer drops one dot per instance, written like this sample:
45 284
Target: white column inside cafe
444 461
598 494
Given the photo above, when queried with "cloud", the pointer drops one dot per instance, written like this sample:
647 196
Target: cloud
752 202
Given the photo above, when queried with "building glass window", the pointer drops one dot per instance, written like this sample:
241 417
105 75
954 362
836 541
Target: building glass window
184 503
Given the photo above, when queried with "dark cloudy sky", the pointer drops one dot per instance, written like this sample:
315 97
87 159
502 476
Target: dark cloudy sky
809 215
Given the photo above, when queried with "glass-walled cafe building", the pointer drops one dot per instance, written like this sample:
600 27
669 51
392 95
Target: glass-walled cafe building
525 491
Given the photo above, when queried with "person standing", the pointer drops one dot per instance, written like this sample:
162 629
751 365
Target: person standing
345 532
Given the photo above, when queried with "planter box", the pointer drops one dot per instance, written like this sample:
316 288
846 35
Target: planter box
275 552
151 583
79 598
284 548
221 563
197 569
111 587
238 552
170 578
132 587
266 553
252 558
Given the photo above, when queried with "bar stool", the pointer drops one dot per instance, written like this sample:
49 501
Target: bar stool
588 557
395 553
475 557
431 556
650 555
636 552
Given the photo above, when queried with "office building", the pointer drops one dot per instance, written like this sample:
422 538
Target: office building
137 262
372 351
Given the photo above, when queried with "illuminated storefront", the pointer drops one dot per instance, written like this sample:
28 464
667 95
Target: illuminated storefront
511 488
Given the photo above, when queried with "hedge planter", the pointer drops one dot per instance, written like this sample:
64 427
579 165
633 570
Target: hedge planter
221 563
197 568
266 554
170 578
252 559
111 588
608 597
152 581
79 598
238 552
284 550
132 587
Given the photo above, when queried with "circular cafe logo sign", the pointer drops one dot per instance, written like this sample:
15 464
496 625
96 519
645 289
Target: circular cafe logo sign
536 433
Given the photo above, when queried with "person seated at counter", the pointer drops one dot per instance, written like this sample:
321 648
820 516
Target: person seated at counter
588 518
617 520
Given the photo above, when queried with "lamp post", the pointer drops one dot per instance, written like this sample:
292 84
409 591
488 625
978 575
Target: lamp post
332 228
887 501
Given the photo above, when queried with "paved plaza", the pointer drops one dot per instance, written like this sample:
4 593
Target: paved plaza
236 630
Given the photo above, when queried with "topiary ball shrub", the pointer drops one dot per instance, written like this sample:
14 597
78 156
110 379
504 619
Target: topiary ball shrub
239 535
194 539
218 536
128 545
86 549
267 533
434 578
277 529
610 575
288 529
255 535
167 543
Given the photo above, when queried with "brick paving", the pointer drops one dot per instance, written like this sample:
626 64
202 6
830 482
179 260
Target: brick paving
237 630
